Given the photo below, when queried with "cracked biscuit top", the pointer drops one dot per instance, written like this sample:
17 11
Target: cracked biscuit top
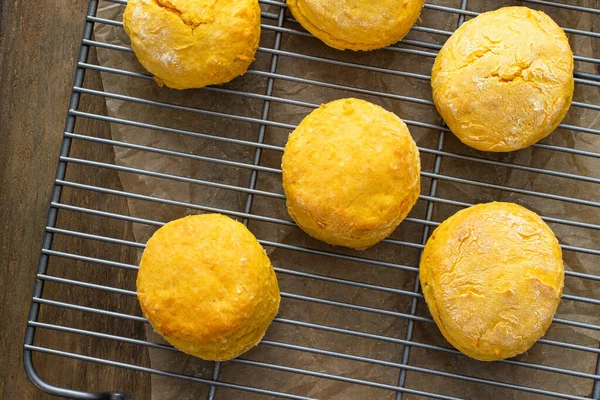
492 276
357 24
193 43
504 80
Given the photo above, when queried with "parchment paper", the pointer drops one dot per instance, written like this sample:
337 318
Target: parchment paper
193 194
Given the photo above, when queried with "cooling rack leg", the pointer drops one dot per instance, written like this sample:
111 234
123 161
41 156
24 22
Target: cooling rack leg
428 216
265 113
67 393
215 377
414 301
257 155
596 388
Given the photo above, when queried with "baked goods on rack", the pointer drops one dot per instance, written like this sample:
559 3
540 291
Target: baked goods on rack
357 24
351 173
504 80
193 43
207 286
492 276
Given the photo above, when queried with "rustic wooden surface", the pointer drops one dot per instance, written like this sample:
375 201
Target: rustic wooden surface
38 49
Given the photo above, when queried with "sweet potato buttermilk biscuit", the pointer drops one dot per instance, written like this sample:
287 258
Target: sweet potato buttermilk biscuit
492 276
207 286
504 80
357 24
193 43
351 173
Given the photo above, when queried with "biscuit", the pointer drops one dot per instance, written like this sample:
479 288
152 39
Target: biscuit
193 43
504 80
357 24
207 286
492 276
351 173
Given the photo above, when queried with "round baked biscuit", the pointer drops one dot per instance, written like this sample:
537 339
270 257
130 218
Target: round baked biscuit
351 173
207 286
357 24
504 80
492 276
193 43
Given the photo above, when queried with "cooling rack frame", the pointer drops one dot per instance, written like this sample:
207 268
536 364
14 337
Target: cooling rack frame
439 153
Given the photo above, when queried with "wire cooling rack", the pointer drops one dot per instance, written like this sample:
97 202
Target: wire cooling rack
413 361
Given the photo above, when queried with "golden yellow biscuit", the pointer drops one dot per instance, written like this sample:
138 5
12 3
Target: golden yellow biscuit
504 80
357 24
492 276
193 43
207 286
351 173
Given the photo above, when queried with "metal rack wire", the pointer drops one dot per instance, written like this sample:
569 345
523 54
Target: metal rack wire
278 22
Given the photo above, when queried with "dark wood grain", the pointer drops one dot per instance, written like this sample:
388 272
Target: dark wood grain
38 49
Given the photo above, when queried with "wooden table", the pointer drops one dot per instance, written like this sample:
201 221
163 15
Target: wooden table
39 43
